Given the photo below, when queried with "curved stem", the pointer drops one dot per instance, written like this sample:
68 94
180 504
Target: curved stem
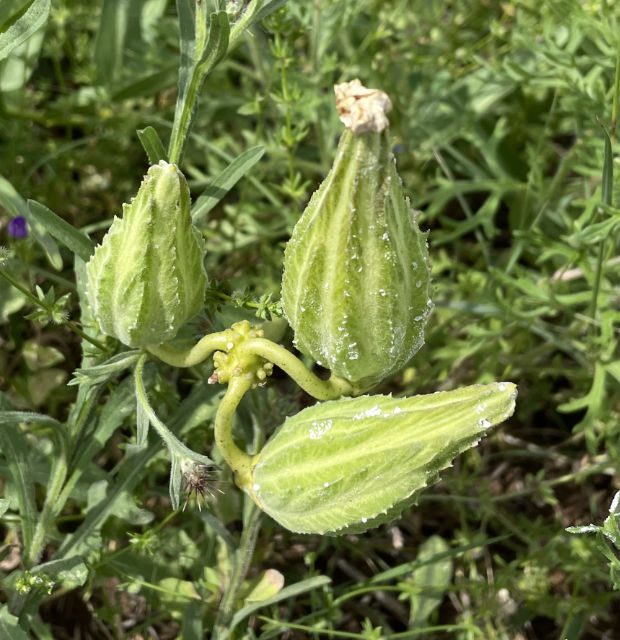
170 440
330 389
238 460
194 355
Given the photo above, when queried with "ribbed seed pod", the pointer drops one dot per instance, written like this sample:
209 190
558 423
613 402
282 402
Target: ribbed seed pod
147 278
347 465
356 279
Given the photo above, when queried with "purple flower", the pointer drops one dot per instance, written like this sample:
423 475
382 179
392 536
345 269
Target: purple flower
18 227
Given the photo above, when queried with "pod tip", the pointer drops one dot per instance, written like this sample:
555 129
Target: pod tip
362 110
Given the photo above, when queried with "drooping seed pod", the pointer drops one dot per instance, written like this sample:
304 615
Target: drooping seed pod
146 279
356 280
348 465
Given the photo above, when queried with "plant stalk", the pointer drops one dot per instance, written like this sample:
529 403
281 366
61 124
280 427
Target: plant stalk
330 389
239 461
243 557
194 355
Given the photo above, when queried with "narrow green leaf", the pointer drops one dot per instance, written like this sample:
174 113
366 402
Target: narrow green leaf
104 371
185 11
596 232
225 181
9 625
217 42
110 41
4 506
293 591
33 19
427 583
192 626
60 229
15 449
152 144
454 552
220 530
593 400
267 586
608 170
607 180
147 86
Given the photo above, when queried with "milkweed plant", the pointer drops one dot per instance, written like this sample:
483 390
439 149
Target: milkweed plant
356 292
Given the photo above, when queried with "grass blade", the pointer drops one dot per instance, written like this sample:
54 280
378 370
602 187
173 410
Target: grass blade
33 19
152 144
288 592
15 450
217 42
186 44
60 229
607 180
225 181
110 43
146 86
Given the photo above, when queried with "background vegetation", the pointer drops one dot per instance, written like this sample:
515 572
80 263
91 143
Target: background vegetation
500 122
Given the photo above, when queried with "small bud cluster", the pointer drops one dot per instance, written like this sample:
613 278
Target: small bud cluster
233 363
31 581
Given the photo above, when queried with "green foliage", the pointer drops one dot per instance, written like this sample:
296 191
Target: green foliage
496 130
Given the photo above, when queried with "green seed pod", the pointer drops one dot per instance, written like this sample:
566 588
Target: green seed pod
348 465
146 279
356 279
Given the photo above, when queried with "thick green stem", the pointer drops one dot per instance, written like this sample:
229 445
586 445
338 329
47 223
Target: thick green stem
330 389
193 356
183 118
243 557
238 460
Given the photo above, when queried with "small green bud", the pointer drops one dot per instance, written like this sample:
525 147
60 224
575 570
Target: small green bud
356 279
146 279
347 465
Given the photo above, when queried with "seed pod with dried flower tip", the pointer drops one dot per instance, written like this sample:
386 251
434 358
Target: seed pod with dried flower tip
356 280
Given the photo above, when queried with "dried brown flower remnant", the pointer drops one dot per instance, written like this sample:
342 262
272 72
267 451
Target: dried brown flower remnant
361 109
